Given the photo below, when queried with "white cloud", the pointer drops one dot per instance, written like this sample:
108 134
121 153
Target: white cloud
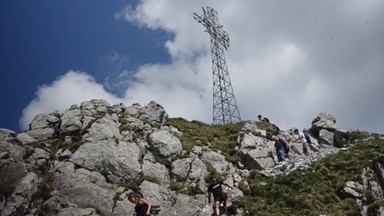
287 60
71 88
183 90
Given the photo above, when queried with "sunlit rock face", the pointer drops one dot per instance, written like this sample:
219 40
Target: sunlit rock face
86 160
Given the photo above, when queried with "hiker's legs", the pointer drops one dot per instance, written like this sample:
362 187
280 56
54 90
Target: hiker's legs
216 207
280 154
224 197
305 148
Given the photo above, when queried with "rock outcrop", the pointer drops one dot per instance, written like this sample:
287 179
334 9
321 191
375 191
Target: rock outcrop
86 160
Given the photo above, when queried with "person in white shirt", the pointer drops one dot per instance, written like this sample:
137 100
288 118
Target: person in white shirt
304 141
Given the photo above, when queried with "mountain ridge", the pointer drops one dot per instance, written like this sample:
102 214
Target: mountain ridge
86 160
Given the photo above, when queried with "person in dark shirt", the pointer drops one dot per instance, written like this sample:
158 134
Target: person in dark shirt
280 148
261 119
219 196
142 206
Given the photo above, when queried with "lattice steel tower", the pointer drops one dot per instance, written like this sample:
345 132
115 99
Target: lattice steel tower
225 109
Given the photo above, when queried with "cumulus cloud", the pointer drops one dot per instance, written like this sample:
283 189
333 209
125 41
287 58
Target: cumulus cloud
287 60
71 88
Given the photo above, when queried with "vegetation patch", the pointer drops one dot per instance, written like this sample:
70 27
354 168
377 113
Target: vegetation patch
220 137
134 184
271 129
357 135
313 191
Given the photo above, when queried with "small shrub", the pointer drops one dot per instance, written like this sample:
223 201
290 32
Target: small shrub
175 186
372 208
243 187
165 161
212 172
353 136
271 129
123 127
192 190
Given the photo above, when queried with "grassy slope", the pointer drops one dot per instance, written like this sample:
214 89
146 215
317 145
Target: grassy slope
303 192
313 191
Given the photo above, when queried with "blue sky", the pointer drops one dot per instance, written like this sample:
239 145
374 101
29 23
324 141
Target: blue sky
42 40
287 60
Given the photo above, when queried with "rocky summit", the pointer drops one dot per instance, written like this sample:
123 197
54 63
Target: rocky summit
86 160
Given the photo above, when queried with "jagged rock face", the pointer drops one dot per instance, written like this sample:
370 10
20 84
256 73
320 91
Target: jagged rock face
259 159
324 121
191 168
118 160
86 189
326 137
82 156
217 160
44 126
78 162
154 113
71 121
22 194
324 131
164 144
157 171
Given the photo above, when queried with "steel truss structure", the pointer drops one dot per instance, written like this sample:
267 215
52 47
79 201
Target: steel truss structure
225 109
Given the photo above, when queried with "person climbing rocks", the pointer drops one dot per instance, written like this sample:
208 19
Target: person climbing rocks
280 148
142 206
303 140
215 189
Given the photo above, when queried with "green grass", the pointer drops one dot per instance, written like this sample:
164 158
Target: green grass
308 192
270 129
135 183
313 191
220 137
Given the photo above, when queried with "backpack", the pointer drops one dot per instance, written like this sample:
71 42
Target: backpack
286 146
307 137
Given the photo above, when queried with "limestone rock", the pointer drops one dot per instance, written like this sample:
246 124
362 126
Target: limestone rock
164 144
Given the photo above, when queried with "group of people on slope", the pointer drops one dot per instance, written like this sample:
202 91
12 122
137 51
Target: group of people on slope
282 145
143 207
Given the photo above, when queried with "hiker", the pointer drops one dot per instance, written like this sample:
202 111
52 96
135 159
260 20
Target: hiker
142 206
219 196
261 119
303 140
286 148
280 148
